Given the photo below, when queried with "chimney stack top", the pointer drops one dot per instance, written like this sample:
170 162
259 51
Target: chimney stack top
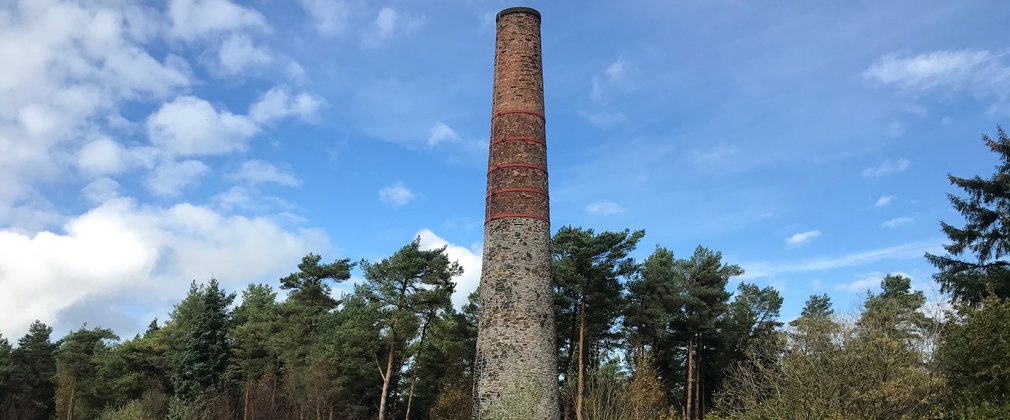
510 10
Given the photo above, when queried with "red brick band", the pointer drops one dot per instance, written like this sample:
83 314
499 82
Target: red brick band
519 111
515 215
517 165
519 138
529 190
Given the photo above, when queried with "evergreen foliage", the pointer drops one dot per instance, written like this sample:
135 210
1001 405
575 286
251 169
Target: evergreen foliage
976 255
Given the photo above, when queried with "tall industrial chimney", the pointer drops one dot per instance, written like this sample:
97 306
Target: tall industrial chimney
516 353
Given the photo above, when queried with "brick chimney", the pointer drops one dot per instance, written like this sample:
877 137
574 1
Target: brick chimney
516 354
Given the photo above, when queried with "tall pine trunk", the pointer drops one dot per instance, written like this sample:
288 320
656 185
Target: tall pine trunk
698 390
70 405
413 369
582 334
690 374
385 381
245 400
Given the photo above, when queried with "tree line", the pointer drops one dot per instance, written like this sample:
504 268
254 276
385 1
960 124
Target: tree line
660 338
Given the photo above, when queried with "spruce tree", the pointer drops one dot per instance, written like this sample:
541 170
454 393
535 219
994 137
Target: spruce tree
200 368
976 255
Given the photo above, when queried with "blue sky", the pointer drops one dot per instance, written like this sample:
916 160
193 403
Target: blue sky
146 145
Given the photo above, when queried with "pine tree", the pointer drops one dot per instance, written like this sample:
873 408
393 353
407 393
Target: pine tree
81 392
976 257
401 286
587 269
34 376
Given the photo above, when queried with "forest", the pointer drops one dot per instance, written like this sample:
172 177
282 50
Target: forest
662 338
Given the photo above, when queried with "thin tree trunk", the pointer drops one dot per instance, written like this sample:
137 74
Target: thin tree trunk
385 381
690 374
70 405
698 390
245 402
413 369
582 333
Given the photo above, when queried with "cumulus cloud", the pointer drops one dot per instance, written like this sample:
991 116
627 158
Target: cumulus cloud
604 208
884 201
76 64
887 167
190 126
138 253
238 54
101 190
897 221
396 195
257 172
803 237
170 178
102 156
279 103
193 19
468 258
441 132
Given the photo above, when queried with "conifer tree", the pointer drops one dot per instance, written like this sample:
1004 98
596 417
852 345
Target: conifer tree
977 253
34 378
200 368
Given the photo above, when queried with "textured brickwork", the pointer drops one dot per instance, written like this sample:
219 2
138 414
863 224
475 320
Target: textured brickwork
516 360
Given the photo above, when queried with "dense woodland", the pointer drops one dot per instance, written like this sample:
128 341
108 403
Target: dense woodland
665 337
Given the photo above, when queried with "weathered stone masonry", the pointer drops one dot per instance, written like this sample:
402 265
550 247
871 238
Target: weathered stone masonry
516 358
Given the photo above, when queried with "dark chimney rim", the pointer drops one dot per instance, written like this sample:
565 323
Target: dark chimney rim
510 10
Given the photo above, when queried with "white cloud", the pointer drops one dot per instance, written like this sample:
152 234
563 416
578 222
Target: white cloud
385 22
469 259
191 126
170 178
604 208
257 172
803 237
101 157
948 69
908 251
396 194
138 254
618 76
328 16
101 190
887 167
75 65
869 281
897 221
279 103
389 22
193 19
884 201
441 132
237 54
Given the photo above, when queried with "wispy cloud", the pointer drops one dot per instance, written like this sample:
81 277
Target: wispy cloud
952 69
884 201
257 172
908 251
440 133
867 281
803 237
887 167
604 208
897 221
396 195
